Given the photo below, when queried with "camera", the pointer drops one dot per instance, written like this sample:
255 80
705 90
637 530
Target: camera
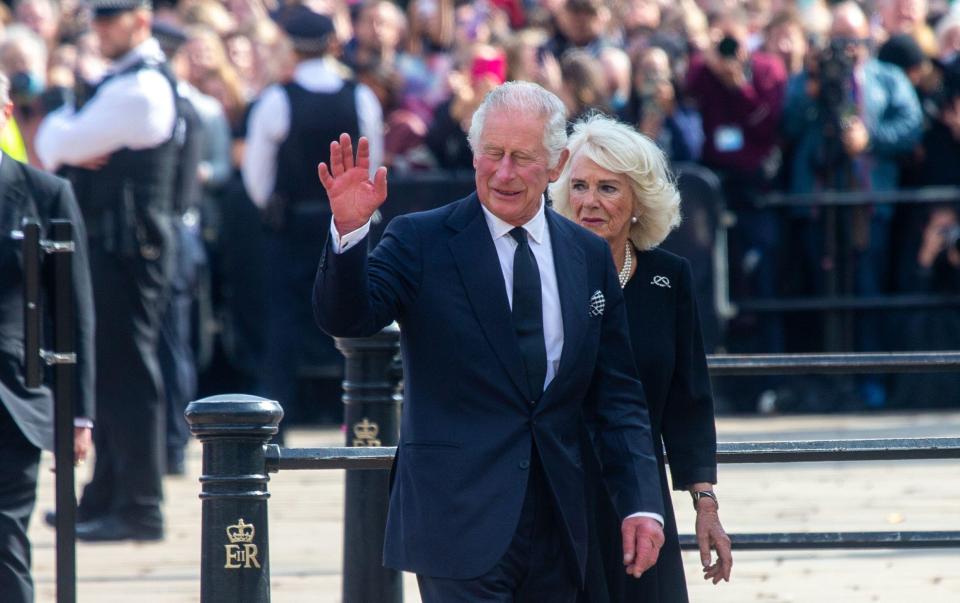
835 65
728 47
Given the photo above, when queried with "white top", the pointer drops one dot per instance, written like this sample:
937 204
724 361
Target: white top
540 245
269 124
133 110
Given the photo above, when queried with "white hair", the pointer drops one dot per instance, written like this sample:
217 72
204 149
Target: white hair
525 98
618 148
31 44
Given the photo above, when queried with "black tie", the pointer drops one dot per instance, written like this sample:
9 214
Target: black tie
528 313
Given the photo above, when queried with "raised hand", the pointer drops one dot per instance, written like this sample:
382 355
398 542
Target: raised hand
353 197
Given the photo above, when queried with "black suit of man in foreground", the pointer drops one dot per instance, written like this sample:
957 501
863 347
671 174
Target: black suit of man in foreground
512 340
26 414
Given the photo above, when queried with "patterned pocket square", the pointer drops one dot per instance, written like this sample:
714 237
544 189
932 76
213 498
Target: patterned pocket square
597 303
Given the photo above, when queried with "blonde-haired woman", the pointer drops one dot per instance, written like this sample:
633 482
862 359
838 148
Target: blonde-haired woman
617 184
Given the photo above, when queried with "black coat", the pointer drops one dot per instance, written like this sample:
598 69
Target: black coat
668 350
468 426
26 192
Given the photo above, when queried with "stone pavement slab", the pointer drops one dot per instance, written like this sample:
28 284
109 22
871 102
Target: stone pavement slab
306 511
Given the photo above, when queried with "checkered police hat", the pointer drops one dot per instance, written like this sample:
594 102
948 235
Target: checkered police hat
307 30
108 8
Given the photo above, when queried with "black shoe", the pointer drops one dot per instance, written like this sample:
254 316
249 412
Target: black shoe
175 463
50 518
113 529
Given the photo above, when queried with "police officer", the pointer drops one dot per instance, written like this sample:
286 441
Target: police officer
289 133
118 149
26 414
177 360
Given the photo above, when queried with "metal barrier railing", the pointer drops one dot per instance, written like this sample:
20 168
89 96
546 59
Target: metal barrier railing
51 254
927 194
826 364
237 459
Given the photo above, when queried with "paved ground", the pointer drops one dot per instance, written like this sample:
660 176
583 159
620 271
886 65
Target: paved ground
307 508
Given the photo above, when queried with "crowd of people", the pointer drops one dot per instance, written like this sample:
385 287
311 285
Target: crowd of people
773 96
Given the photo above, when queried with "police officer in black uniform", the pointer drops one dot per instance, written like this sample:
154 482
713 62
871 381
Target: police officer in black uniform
177 359
118 148
289 134
26 414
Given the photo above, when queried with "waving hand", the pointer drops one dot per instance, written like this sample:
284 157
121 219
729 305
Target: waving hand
353 197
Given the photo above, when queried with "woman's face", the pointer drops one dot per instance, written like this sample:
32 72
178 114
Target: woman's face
202 57
601 200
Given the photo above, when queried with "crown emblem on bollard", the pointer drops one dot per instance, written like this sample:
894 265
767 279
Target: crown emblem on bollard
365 433
241 552
241 532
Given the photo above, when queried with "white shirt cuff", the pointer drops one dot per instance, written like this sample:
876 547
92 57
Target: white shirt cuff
656 516
82 422
341 244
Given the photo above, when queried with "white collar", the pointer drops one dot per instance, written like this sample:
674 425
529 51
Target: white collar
534 227
149 49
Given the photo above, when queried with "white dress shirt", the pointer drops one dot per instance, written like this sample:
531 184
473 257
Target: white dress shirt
539 238
269 124
133 110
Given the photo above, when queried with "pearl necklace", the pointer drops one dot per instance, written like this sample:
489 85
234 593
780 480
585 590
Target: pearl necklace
624 275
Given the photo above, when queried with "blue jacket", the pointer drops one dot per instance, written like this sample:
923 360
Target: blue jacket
891 113
468 428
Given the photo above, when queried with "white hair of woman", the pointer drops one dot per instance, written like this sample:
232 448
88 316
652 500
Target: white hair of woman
525 98
618 148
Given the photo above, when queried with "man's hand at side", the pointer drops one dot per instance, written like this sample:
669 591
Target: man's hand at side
353 197
82 443
642 539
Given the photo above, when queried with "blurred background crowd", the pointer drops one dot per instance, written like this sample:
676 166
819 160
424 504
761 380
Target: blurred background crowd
774 97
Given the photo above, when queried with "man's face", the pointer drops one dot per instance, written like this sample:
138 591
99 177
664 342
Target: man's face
116 33
852 32
39 17
581 26
378 28
512 166
903 16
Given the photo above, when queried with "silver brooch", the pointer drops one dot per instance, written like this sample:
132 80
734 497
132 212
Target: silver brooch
660 281
597 303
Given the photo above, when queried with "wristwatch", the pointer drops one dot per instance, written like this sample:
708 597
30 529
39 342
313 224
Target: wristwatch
696 496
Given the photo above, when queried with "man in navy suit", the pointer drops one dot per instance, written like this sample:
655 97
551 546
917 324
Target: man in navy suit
514 339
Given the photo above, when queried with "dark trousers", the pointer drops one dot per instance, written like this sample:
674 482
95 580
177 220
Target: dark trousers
129 295
292 338
175 350
19 460
537 567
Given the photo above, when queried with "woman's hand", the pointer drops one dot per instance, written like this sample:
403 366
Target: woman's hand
711 535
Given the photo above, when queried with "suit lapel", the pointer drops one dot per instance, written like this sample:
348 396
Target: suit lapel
479 268
12 194
571 268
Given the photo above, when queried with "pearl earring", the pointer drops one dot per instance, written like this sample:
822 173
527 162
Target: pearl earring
634 220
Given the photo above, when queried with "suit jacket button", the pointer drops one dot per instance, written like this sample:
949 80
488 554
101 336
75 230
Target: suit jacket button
524 464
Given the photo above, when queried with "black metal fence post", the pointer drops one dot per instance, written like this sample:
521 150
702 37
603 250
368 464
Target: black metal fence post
234 430
63 358
372 416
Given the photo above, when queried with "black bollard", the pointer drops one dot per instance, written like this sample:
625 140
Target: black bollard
234 430
372 416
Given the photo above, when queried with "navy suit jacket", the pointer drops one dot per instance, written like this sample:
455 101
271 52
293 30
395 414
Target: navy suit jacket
26 192
467 428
